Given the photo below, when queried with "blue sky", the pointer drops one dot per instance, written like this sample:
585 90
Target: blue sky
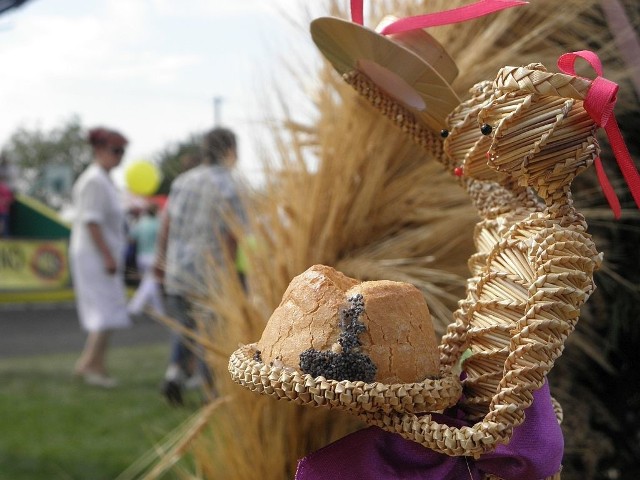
150 68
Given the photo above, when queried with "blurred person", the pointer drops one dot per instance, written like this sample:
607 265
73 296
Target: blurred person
193 231
97 246
144 234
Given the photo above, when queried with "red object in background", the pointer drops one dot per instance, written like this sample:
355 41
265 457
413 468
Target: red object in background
159 200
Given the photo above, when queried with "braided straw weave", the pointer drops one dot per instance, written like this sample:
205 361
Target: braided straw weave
356 397
394 111
535 79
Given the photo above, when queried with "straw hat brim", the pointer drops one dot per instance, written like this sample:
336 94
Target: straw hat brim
357 397
414 82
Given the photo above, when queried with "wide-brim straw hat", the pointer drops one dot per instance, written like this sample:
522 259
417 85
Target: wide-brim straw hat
381 372
357 397
411 68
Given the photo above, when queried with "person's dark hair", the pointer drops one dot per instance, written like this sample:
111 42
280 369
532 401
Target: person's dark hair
101 137
216 143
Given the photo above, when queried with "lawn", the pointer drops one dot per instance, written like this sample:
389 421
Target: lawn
54 427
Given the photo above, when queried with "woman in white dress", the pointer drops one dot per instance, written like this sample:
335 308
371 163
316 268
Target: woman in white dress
98 241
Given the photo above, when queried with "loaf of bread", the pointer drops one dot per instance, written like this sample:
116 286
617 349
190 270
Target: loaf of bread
331 325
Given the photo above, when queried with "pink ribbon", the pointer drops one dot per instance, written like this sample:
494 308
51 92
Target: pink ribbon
599 103
446 17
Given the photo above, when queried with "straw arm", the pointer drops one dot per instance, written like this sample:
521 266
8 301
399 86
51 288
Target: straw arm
563 259
454 341
453 441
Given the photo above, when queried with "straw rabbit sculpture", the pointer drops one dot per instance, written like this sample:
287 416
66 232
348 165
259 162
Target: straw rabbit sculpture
535 261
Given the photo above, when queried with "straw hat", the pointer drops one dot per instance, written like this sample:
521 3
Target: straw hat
410 68
375 338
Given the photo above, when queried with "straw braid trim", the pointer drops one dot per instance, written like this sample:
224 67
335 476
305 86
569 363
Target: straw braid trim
399 115
357 397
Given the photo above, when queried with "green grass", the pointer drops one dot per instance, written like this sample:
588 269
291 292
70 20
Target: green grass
54 427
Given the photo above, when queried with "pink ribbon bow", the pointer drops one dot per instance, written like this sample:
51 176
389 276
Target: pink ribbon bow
599 103
446 17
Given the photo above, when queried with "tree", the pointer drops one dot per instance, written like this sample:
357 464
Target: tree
48 162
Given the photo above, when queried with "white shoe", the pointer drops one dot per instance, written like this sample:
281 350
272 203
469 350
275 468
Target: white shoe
194 382
99 380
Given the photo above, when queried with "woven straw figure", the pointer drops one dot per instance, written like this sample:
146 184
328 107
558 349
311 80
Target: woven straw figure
535 263
515 145
518 143
532 271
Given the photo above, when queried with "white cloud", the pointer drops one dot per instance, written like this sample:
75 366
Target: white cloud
148 67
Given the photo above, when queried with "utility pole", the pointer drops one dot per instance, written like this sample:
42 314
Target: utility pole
217 106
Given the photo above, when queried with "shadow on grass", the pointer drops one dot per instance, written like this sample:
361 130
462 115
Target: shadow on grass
55 427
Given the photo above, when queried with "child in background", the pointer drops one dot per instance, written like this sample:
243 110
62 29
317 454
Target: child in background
144 234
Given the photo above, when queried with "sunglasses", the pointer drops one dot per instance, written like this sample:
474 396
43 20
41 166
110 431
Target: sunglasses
117 151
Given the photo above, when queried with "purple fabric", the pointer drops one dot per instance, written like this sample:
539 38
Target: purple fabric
534 452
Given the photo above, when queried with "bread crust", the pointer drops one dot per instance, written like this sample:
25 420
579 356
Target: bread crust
399 336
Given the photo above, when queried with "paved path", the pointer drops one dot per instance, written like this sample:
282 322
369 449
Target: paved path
42 329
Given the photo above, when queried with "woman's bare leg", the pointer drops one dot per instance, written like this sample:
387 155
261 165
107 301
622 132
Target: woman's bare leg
93 357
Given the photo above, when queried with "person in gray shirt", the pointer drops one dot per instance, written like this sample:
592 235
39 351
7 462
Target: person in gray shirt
195 231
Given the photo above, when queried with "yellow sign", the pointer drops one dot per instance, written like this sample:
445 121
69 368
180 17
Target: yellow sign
33 264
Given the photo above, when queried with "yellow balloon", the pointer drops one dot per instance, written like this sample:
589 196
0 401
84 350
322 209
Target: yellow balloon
143 178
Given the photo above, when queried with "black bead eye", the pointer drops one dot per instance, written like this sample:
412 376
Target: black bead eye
444 133
486 129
